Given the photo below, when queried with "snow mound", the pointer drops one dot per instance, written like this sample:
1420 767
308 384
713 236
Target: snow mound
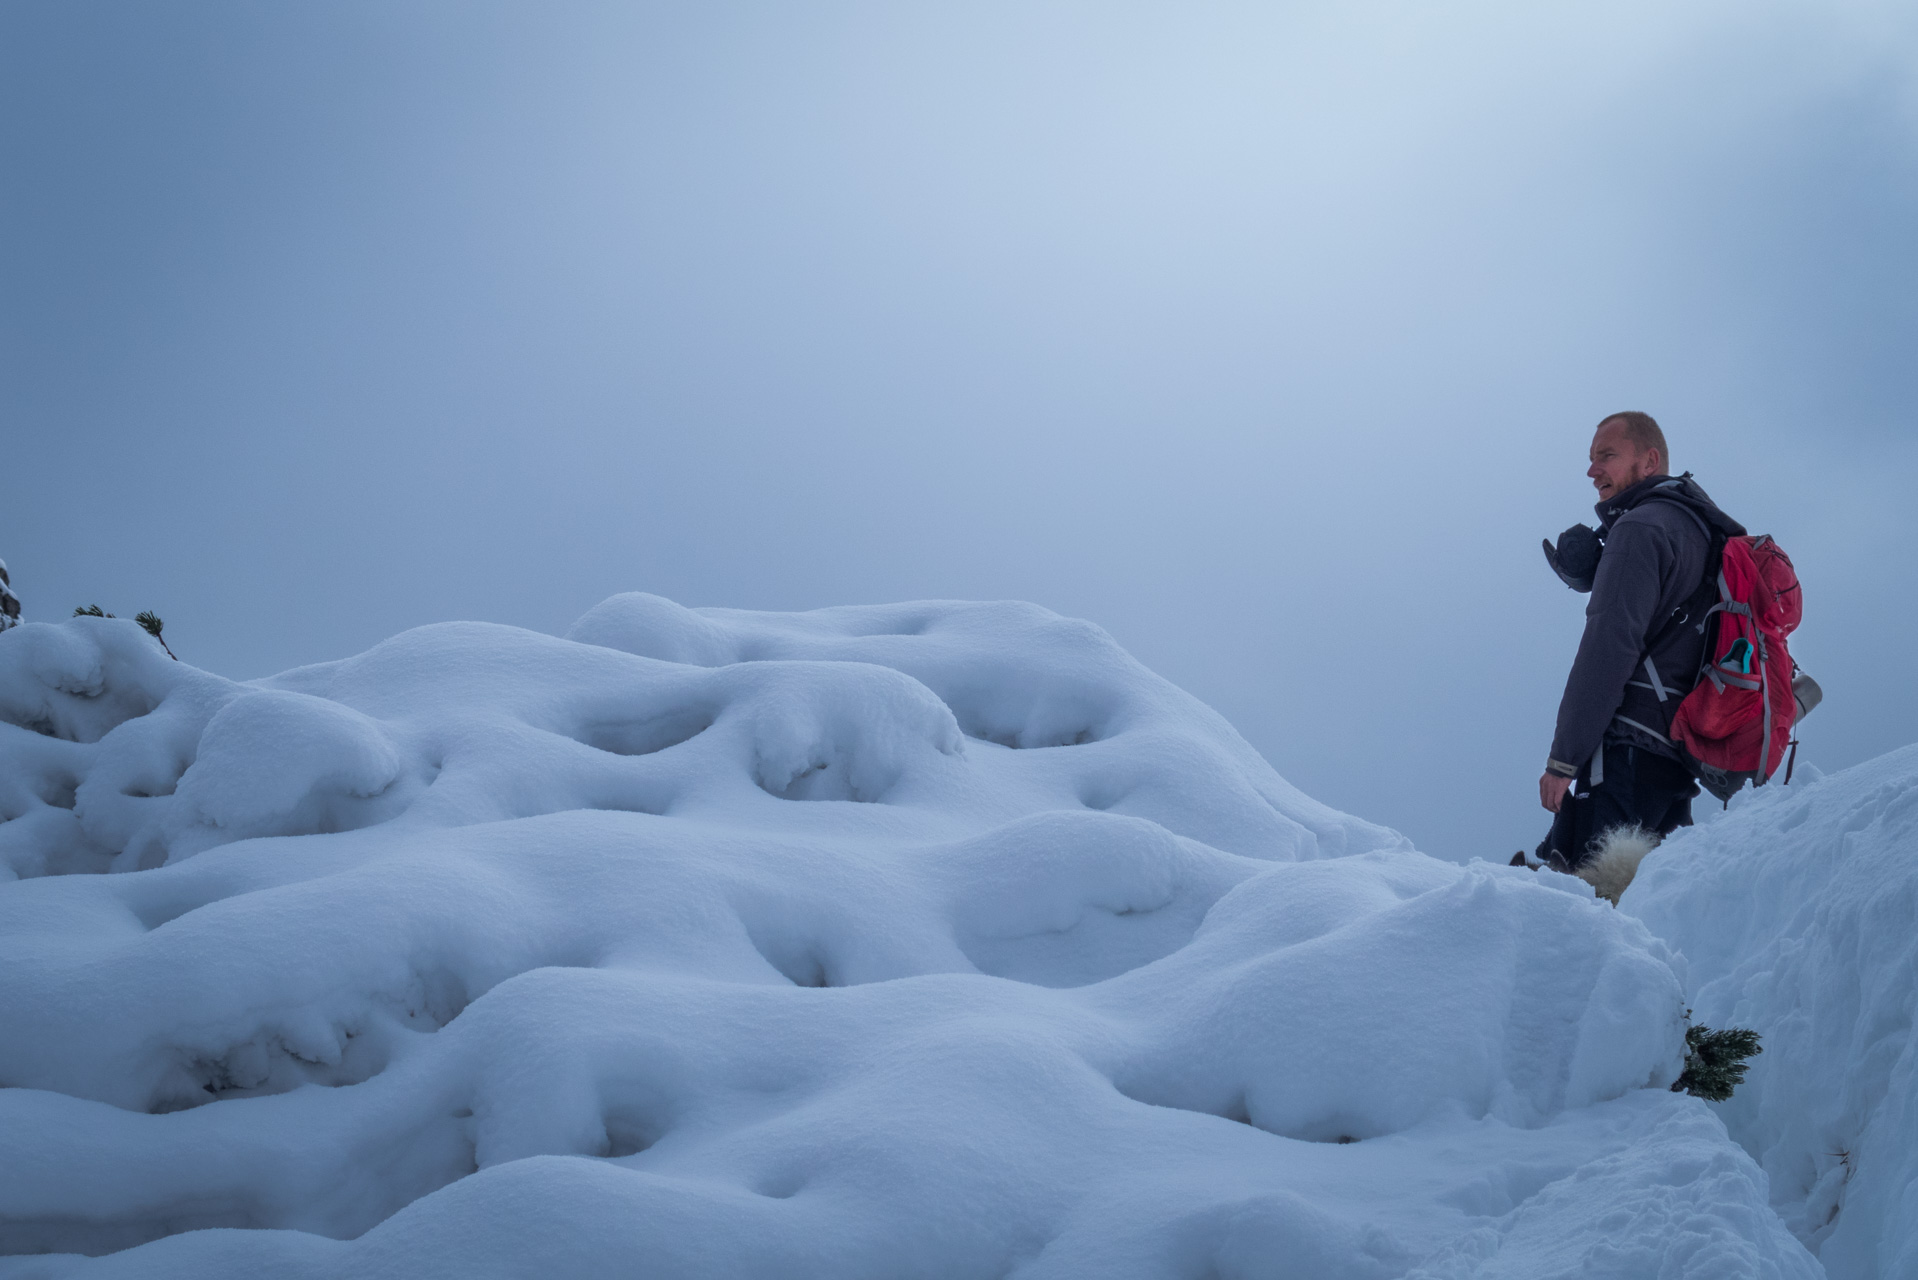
1798 913
931 939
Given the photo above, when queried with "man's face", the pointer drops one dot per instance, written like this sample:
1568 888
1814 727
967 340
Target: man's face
1617 463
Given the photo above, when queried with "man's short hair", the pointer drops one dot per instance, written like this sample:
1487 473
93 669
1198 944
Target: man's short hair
1642 430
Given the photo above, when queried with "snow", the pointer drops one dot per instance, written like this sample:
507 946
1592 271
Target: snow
931 939
1798 913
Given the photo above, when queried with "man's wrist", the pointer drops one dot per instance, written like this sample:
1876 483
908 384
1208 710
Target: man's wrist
1560 768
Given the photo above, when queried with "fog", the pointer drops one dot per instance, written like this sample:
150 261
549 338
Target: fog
1269 337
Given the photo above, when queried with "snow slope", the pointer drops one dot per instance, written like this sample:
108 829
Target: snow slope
918 940
1798 913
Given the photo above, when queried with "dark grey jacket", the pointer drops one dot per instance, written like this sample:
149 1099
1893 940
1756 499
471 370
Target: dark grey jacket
1648 596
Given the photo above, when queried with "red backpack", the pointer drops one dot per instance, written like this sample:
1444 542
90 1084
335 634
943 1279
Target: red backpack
1734 726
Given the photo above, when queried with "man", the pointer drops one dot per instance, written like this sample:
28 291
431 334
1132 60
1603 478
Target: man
1612 763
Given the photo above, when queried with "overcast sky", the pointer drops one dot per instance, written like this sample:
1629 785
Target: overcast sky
1270 337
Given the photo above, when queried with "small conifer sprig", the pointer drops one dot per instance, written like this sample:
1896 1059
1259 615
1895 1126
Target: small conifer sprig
1715 1061
149 622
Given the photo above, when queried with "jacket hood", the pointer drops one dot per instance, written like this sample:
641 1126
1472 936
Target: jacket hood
1682 490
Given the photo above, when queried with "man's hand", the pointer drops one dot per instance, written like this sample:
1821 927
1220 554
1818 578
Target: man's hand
1552 788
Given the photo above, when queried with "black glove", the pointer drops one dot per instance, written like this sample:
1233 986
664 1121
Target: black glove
1575 560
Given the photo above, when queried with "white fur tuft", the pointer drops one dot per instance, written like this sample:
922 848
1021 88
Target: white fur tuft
1620 850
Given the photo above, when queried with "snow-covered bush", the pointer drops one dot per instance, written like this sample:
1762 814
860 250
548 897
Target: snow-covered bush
930 939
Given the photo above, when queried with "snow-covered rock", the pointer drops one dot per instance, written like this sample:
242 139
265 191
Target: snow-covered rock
931 939
1798 913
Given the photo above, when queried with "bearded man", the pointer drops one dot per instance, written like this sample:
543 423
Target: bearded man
1652 573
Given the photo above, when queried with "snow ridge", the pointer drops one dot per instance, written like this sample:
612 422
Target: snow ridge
928 939
1796 913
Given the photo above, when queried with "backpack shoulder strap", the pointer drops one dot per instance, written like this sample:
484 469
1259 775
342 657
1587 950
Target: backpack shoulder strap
1699 603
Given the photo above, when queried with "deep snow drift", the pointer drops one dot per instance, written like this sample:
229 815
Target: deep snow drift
1799 915
919 940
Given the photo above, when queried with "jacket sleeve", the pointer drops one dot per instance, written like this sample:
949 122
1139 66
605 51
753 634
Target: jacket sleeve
1625 594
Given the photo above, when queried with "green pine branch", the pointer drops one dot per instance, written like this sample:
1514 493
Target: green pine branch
1715 1061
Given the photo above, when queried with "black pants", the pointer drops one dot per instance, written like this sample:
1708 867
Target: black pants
1637 788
